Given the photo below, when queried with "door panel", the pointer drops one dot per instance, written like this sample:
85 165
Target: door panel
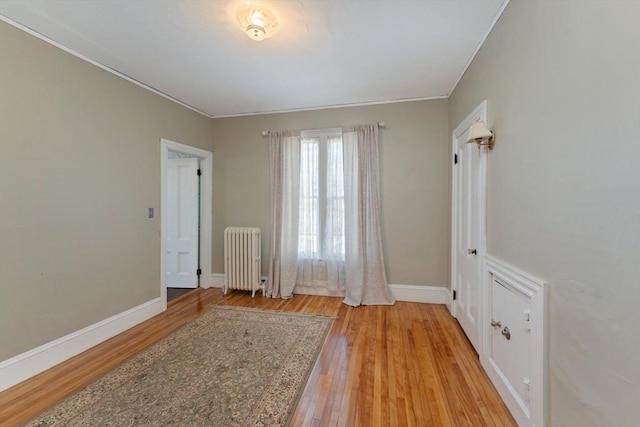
182 223
467 303
511 352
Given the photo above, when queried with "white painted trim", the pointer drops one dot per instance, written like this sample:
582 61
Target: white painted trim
206 188
484 38
408 293
326 107
401 293
39 359
449 301
255 113
98 64
217 280
536 290
191 107
420 293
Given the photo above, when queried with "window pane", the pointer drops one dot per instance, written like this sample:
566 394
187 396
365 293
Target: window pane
308 244
321 228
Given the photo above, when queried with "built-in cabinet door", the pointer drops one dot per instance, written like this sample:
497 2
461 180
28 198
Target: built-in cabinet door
510 338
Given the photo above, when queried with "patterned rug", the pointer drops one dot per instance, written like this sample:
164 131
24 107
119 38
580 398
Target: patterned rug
229 367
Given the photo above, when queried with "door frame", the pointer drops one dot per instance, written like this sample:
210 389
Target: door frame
206 199
478 114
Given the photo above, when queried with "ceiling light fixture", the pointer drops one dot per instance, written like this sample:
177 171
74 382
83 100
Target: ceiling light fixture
257 23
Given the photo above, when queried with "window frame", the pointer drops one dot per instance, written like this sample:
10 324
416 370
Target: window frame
322 136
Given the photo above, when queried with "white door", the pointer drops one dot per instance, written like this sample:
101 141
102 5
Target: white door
468 223
182 223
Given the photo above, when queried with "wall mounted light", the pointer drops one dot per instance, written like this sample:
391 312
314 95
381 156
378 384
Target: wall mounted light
257 22
481 135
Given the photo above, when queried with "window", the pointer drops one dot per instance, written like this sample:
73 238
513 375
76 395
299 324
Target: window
321 226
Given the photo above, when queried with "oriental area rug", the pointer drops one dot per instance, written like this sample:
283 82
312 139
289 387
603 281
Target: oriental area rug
228 367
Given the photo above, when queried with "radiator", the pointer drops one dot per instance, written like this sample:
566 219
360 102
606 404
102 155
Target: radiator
242 254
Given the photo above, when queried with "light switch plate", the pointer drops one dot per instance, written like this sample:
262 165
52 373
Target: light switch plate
150 214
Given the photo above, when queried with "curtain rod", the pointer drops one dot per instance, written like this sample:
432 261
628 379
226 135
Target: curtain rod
380 125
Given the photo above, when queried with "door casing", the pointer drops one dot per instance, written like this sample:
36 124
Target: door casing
206 167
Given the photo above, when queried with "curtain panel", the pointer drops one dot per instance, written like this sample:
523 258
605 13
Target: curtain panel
366 280
284 188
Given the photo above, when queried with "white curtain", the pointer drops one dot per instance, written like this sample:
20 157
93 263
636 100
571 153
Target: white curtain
364 262
321 268
284 169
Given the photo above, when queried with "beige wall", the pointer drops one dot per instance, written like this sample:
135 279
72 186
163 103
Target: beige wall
562 81
414 172
79 166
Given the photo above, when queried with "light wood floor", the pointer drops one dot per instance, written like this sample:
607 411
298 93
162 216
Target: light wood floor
404 365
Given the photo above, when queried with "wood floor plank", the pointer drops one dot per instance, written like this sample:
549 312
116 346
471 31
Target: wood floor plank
403 365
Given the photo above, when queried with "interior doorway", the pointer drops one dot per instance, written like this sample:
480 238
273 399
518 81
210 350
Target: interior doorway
186 218
183 221
468 242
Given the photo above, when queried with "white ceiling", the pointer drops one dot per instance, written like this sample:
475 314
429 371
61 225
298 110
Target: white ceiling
326 53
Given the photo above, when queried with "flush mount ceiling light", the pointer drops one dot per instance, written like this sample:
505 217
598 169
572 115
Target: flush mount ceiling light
257 22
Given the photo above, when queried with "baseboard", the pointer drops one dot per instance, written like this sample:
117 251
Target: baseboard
32 362
407 293
217 280
420 293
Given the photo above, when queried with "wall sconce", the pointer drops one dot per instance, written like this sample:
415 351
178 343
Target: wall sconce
257 22
481 135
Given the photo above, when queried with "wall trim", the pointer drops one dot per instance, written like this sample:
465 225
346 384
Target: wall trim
420 293
255 113
405 293
480 44
217 280
193 108
99 65
332 106
39 359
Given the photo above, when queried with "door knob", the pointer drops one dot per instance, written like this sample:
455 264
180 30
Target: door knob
507 333
472 251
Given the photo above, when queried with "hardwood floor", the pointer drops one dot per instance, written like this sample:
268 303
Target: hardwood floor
403 365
